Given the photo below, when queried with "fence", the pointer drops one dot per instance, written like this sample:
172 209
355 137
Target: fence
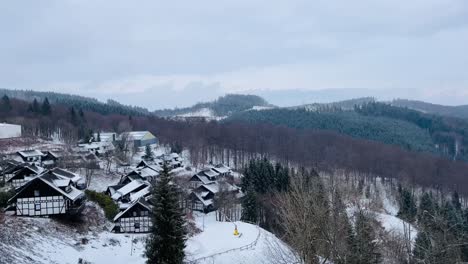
246 247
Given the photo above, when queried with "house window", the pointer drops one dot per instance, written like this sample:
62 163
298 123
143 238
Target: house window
134 213
36 193
145 213
137 225
37 207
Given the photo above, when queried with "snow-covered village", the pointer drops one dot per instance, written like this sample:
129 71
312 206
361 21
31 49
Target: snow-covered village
82 204
233 132
94 202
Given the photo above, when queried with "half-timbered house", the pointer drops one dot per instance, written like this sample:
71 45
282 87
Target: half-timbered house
31 156
203 197
136 218
23 174
48 194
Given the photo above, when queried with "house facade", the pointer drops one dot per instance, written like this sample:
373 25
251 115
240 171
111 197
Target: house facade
139 138
31 156
135 219
48 195
23 174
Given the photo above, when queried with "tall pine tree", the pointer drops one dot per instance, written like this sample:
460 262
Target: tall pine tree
45 109
148 153
365 249
166 242
6 104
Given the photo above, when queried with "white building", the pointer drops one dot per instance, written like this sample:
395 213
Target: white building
9 130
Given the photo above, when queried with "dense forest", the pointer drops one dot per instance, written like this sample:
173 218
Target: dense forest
449 133
76 101
382 129
223 106
460 111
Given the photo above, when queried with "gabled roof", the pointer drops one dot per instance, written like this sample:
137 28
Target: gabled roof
199 197
209 173
215 187
52 181
128 188
140 201
221 168
66 174
142 193
138 135
30 153
56 153
105 136
36 170
201 178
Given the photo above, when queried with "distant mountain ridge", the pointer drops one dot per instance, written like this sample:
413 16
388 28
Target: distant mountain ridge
222 107
76 101
460 111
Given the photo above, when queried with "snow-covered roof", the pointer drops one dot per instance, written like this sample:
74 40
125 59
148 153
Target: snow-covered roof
30 153
54 182
210 173
202 178
56 153
35 168
66 174
128 188
137 135
206 202
105 136
215 187
221 168
140 201
142 193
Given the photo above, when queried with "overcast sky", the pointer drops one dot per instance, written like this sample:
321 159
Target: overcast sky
172 53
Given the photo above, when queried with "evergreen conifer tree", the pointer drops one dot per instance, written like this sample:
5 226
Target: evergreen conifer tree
422 252
426 210
6 104
166 242
148 152
45 107
35 106
408 209
98 137
73 115
365 249
250 206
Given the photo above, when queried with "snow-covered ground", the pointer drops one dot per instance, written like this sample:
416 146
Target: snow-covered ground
46 240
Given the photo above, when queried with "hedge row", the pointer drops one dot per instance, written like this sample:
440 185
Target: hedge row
111 209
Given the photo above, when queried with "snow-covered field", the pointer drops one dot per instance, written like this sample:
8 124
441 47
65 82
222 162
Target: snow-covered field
46 240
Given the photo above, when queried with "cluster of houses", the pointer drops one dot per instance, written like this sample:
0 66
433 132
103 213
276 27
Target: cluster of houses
42 188
133 193
105 142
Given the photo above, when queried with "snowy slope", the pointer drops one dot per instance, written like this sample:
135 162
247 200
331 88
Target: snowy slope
44 240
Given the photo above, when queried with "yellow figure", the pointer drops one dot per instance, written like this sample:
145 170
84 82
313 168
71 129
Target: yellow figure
236 233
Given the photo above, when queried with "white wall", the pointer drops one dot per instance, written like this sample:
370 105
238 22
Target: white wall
9 131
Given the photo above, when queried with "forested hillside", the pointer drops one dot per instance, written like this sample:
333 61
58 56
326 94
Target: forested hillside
382 129
235 141
448 133
76 101
460 111
223 106
344 105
